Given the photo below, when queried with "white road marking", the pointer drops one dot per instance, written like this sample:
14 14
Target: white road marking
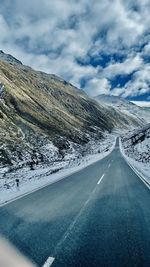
142 178
109 165
67 233
101 179
49 262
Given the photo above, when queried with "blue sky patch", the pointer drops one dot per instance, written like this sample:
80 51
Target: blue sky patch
103 48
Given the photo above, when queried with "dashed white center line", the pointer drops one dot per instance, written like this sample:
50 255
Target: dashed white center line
109 165
49 262
101 179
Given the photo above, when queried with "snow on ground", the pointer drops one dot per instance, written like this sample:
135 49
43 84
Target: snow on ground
32 180
136 150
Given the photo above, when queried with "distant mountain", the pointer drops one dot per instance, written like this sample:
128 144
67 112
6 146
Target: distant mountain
144 104
112 100
125 107
41 114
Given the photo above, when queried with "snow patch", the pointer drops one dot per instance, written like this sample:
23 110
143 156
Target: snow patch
137 153
32 180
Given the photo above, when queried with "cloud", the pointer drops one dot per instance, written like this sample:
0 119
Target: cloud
146 50
138 85
97 86
126 67
51 36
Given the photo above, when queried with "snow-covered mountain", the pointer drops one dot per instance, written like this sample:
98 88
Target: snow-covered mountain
145 104
43 117
142 114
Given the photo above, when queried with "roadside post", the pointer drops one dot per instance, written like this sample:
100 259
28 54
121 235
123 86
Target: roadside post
17 183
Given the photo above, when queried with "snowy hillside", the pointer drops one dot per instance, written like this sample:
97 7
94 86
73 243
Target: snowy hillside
123 106
136 147
33 177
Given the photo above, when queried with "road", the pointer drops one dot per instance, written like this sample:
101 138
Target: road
97 217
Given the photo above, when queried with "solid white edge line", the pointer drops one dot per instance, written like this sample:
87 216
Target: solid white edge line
49 262
142 178
101 179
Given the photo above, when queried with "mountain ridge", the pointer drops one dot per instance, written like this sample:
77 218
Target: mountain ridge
39 109
125 106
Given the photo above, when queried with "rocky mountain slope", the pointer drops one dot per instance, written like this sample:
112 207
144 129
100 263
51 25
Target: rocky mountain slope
43 116
136 148
137 144
125 108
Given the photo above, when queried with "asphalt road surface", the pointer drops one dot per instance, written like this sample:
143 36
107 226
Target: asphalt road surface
97 217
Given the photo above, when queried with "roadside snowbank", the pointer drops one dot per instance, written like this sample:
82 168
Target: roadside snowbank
32 180
142 169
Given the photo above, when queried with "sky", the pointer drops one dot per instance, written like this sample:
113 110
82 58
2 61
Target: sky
101 46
